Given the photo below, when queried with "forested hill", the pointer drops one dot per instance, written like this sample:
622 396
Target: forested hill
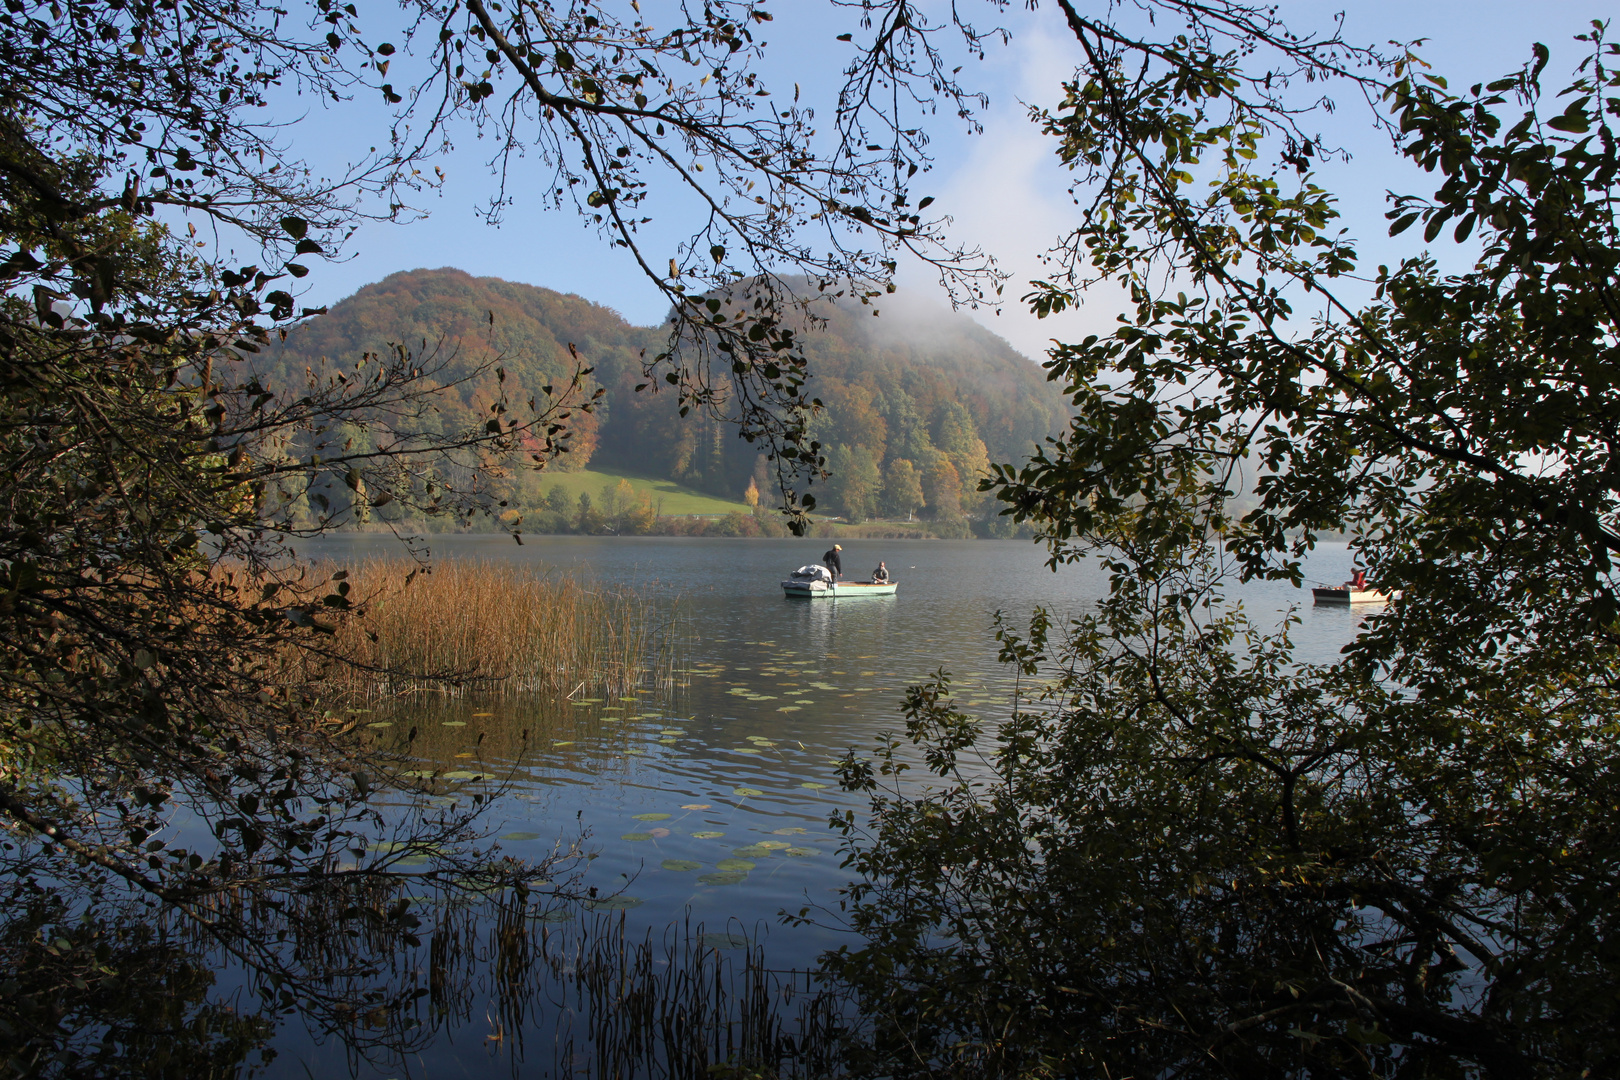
916 400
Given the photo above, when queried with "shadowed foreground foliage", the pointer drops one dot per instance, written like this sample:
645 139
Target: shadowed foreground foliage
1187 854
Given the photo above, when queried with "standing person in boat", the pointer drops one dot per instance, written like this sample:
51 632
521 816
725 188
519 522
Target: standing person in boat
834 562
1358 579
880 576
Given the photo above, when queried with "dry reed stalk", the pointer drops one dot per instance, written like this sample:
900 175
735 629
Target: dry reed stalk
486 626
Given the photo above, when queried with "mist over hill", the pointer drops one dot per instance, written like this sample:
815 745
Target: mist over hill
919 399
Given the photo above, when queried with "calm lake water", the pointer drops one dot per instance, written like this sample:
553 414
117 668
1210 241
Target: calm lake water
713 804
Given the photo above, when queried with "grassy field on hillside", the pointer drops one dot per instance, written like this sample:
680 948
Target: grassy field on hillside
668 496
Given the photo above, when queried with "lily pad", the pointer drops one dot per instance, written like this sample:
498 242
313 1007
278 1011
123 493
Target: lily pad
752 851
562 742
734 865
652 817
614 903
633 750
667 742
659 833
746 791
695 806
672 731
521 836
637 836
455 723
787 708
477 714
773 845
745 750
555 915
813 786
463 774
581 704
725 941
708 834
801 852
681 866
721 878
760 739
795 831
418 774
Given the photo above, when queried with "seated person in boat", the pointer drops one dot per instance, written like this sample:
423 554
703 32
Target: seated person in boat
1358 580
880 576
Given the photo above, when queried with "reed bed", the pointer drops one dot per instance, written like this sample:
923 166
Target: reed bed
480 626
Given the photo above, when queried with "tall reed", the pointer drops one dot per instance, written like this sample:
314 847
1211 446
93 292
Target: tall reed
488 626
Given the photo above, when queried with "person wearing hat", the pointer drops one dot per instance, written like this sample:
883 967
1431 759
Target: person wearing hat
833 562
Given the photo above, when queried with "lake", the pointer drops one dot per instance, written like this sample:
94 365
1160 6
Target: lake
711 803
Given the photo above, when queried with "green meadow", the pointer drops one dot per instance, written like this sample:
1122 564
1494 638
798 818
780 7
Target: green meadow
670 498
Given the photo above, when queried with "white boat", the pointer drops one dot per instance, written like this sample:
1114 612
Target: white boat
815 582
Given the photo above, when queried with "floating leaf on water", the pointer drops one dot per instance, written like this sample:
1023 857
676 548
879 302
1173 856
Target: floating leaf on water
721 878
591 700
463 774
806 701
555 915
745 750
477 714
695 806
562 742
724 941
381 724
672 731
681 866
521 836
752 851
740 691
787 708
773 845
763 742
795 831
801 852
763 697
418 774
652 817
667 742
637 836
614 903
582 704
465 755
629 699
734 865
660 833
758 738
746 791
633 750
707 834
455 723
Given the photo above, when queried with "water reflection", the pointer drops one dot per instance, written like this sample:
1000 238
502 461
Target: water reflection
710 804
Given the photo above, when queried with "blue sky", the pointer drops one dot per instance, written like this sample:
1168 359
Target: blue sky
1002 187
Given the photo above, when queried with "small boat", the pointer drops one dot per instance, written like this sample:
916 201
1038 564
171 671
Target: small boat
815 582
1353 592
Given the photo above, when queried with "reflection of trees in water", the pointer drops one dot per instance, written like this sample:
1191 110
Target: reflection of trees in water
128 990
